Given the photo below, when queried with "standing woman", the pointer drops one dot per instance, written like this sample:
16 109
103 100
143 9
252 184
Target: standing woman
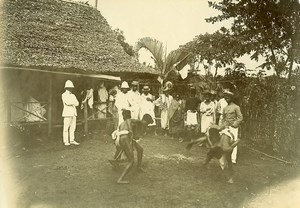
176 117
207 110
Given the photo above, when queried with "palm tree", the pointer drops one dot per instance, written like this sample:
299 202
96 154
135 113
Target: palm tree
164 63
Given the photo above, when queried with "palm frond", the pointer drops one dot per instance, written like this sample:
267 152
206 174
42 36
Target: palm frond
155 47
176 59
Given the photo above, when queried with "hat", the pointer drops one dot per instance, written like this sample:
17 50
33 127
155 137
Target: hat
206 92
213 92
124 85
146 88
166 89
69 84
135 83
227 92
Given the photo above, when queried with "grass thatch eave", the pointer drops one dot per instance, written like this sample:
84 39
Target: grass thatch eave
60 35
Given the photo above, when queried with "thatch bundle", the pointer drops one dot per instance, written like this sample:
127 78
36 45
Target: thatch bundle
59 35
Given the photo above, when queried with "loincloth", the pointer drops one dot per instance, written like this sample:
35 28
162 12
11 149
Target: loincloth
117 134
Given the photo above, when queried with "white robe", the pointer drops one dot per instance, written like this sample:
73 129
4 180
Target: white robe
207 115
135 100
164 103
147 107
123 101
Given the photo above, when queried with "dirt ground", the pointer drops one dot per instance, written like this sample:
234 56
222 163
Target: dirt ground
52 175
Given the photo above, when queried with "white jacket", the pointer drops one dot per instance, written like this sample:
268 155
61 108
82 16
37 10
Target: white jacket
70 102
123 101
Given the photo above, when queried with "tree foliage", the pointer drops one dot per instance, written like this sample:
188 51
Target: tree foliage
271 109
265 27
218 50
165 64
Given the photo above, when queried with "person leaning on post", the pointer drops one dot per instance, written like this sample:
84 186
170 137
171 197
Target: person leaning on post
69 114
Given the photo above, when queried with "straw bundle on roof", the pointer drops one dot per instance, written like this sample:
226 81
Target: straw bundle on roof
59 35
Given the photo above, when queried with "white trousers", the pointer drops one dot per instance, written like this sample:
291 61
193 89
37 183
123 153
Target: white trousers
69 129
120 118
235 132
191 118
164 122
135 112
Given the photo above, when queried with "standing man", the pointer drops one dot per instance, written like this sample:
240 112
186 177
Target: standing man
164 102
232 118
147 105
214 100
123 101
102 100
69 114
135 100
222 103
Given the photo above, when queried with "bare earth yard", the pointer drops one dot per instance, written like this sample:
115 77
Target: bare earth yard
52 175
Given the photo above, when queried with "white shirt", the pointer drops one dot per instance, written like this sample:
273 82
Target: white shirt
70 102
222 103
135 98
89 98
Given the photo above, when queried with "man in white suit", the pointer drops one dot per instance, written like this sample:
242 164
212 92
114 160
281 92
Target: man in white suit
69 114
123 100
135 100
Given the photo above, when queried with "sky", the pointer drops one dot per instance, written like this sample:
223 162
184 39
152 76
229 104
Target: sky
173 22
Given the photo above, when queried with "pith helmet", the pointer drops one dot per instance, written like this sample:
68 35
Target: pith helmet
124 85
69 84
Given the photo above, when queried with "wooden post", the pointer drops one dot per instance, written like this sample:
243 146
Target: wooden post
8 112
50 105
85 113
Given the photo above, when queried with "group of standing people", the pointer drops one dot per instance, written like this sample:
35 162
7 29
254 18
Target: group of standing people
131 99
113 101
179 115
130 108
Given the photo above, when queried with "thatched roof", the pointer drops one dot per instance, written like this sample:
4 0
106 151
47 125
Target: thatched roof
59 35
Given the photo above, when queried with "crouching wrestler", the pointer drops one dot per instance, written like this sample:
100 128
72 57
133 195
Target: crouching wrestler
222 144
126 141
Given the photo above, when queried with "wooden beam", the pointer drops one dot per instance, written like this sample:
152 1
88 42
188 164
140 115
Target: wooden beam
50 86
97 76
